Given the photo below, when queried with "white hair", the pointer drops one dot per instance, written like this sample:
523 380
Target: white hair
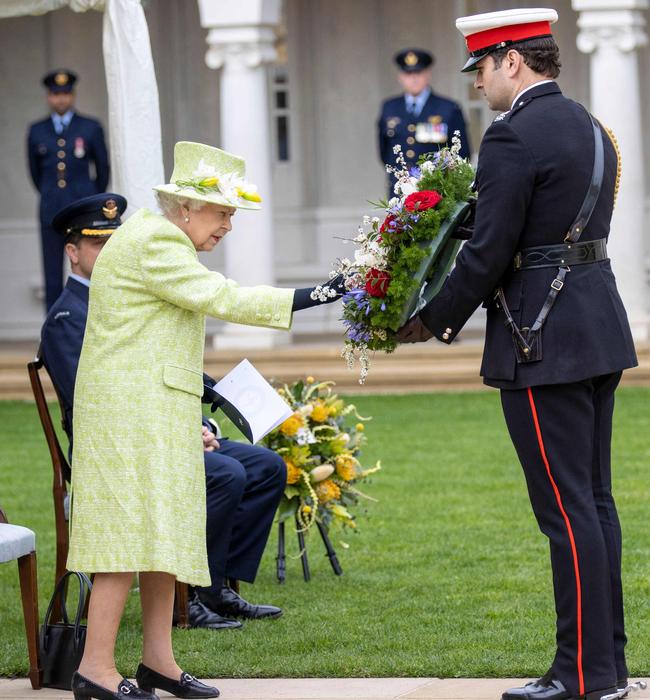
170 204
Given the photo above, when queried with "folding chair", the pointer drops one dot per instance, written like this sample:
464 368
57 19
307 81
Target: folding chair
19 543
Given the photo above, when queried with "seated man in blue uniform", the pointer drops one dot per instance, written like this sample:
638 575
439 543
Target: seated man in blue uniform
244 482
557 334
419 120
61 150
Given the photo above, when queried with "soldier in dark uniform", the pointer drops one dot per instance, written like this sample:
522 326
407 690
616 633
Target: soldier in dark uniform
61 148
419 121
557 335
244 483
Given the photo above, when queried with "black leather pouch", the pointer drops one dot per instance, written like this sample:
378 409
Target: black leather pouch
531 349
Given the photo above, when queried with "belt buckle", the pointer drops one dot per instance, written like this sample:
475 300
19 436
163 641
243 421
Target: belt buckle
516 262
557 284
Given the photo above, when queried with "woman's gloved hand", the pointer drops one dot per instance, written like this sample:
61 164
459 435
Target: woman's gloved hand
324 293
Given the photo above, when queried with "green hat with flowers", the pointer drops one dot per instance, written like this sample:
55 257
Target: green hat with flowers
208 174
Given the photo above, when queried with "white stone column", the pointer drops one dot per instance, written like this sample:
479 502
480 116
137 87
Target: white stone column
610 31
241 42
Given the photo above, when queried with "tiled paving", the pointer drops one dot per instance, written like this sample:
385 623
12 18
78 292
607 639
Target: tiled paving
325 689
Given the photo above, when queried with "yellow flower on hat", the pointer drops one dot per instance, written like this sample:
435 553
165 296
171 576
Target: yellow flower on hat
209 182
327 491
250 194
292 424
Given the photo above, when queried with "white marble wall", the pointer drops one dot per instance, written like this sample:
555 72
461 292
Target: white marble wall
339 65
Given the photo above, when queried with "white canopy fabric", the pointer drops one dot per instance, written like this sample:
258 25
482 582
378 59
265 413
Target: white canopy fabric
133 109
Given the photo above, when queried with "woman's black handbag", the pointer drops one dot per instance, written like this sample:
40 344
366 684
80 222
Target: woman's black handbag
62 643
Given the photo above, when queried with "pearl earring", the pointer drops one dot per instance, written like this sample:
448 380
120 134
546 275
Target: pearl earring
187 219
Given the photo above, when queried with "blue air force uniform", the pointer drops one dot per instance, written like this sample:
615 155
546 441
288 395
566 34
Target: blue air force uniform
419 132
62 151
534 167
419 124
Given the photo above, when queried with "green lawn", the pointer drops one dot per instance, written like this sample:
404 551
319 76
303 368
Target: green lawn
447 576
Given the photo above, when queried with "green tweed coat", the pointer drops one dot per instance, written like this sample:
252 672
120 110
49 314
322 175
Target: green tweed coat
138 484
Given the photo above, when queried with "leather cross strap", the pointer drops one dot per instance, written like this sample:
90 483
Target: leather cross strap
556 287
587 208
562 254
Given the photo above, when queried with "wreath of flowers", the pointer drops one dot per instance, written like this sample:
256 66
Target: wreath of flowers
381 278
321 447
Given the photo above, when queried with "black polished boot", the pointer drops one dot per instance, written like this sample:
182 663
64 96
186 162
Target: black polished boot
199 615
185 687
84 689
548 687
230 604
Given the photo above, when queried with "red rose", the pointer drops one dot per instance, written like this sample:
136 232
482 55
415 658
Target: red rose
391 224
419 201
377 282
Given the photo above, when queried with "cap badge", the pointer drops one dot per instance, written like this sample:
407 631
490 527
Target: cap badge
61 79
410 59
110 209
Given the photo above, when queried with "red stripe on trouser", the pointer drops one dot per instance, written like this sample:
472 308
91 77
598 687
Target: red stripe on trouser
574 551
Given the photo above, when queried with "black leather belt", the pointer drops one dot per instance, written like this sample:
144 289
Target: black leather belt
560 255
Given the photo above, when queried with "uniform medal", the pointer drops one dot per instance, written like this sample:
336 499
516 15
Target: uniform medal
79 147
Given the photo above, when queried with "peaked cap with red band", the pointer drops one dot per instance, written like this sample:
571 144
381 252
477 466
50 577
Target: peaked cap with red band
495 30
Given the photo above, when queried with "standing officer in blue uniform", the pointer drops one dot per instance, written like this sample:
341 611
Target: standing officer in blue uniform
244 483
419 121
61 149
557 335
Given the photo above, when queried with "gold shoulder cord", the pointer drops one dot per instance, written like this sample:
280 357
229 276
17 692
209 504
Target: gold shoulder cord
612 138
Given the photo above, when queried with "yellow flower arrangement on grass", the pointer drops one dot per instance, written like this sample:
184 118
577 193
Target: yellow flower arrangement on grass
320 445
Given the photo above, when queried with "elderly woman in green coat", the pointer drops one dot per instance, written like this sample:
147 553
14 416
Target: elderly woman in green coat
138 488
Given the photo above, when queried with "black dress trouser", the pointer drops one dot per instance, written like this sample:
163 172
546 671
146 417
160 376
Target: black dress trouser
562 434
244 486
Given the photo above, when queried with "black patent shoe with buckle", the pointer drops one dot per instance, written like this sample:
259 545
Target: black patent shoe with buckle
185 687
84 689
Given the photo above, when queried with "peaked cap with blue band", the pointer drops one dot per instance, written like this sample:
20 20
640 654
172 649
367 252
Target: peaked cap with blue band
413 60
